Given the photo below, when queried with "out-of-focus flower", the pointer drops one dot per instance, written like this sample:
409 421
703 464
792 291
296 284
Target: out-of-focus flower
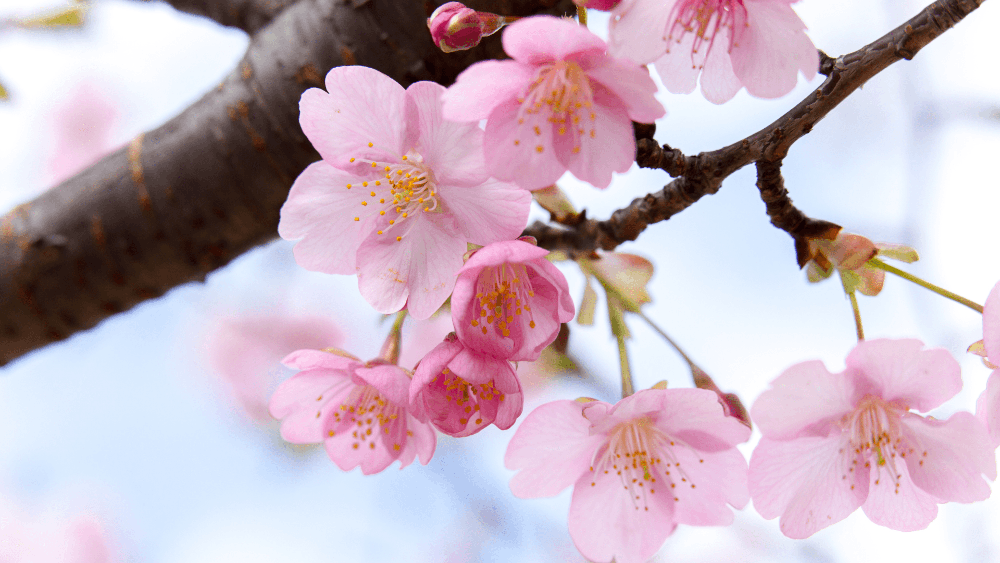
656 459
399 194
509 301
246 352
456 28
757 44
83 129
24 539
988 405
462 391
359 411
835 442
561 104
849 254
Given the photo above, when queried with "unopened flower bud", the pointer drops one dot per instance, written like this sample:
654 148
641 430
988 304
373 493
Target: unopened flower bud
456 28
605 5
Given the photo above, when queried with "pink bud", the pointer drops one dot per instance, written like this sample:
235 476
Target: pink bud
605 5
456 28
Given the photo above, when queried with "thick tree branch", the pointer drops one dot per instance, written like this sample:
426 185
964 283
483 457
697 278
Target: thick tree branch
703 174
205 187
248 15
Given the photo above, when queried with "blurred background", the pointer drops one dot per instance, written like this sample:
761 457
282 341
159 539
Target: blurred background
146 439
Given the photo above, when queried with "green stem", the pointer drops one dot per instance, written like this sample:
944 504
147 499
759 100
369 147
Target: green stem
669 340
581 15
627 387
390 349
857 315
876 263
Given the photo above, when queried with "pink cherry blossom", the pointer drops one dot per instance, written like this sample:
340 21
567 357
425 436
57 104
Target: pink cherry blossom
757 44
597 4
509 301
835 442
26 538
462 391
561 104
656 459
988 405
359 411
399 194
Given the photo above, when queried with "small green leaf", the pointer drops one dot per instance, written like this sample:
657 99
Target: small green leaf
70 16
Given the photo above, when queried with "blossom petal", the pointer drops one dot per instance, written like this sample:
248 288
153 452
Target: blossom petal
482 87
677 68
320 211
419 270
695 416
991 325
541 39
361 106
552 447
512 148
420 443
602 144
637 30
772 50
988 407
718 81
632 85
389 380
902 371
705 483
898 503
305 403
802 397
807 481
490 212
349 452
948 458
606 523
454 151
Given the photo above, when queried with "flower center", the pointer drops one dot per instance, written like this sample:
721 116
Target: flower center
633 452
557 98
467 396
873 428
399 190
503 293
705 19
365 412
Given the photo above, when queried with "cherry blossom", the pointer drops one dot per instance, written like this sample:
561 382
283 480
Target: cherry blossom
462 391
359 411
850 254
509 301
835 442
561 104
454 27
399 194
655 459
757 44
988 405
597 4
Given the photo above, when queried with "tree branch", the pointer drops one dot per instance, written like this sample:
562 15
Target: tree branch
248 15
188 197
703 174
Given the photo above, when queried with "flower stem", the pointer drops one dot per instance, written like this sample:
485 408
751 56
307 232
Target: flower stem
857 315
875 262
669 340
627 387
390 349
581 15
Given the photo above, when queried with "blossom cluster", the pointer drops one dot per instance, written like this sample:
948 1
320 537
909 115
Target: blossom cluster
425 206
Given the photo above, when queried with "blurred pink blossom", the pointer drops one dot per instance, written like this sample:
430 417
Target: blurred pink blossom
656 459
83 129
509 301
462 391
597 4
399 194
835 442
246 351
757 44
988 405
24 539
561 104
359 411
